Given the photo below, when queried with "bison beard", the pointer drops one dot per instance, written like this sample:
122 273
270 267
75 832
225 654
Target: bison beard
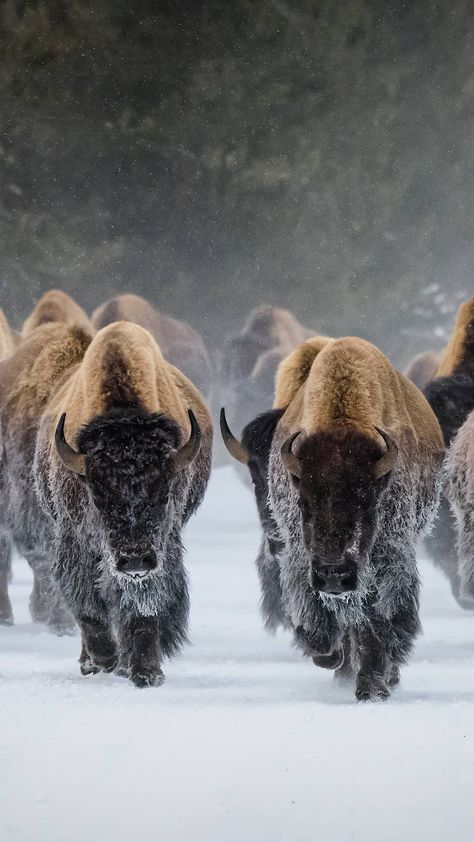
130 499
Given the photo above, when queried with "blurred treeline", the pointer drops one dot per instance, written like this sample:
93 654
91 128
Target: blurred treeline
214 154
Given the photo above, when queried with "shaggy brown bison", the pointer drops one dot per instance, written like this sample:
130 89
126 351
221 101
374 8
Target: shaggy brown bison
353 482
27 380
180 344
451 396
123 459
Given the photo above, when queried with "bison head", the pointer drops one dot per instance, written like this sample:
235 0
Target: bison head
130 460
340 477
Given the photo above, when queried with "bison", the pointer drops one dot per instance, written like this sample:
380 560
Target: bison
56 306
8 338
122 461
250 361
180 344
353 482
451 396
253 451
27 380
460 492
422 368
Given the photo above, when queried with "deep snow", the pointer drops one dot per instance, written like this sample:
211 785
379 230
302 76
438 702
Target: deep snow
246 740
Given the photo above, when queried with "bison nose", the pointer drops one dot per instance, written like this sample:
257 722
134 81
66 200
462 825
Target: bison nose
334 580
137 566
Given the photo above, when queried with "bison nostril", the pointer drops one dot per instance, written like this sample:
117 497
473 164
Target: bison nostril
136 565
334 580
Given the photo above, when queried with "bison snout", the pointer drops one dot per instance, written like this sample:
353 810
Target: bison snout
334 580
137 567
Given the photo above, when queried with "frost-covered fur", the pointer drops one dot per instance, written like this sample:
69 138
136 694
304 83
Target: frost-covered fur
130 500
460 492
379 621
27 380
256 439
451 398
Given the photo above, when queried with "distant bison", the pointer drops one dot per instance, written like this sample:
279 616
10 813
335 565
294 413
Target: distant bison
353 480
451 396
27 380
122 462
250 360
56 306
253 451
422 368
180 344
8 338
460 491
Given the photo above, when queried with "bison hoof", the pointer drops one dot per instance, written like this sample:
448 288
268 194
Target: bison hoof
333 661
147 678
371 689
6 617
88 668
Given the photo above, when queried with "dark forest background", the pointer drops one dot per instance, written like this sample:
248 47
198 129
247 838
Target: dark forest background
214 155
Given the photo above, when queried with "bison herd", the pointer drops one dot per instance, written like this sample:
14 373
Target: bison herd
106 444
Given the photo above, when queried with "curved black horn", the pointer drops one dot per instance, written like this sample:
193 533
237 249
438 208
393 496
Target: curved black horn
289 459
385 464
233 445
188 452
74 461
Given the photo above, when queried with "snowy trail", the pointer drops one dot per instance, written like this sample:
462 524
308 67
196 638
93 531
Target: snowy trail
246 740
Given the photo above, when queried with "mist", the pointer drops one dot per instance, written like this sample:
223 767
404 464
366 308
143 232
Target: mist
216 156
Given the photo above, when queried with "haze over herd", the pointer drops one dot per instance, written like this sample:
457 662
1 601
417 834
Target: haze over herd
110 425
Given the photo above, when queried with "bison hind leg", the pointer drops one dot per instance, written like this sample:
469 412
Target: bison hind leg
6 611
271 605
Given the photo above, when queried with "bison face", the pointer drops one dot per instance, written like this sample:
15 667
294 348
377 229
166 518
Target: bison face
340 479
131 462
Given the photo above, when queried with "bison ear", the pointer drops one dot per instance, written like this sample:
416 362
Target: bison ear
386 463
74 461
289 458
233 445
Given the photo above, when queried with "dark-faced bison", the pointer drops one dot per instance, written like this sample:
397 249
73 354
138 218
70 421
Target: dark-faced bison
353 482
122 461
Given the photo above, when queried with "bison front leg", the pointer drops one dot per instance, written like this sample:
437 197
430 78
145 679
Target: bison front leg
140 650
99 652
321 637
372 684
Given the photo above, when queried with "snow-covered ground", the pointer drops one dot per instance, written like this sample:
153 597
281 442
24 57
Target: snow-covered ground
246 740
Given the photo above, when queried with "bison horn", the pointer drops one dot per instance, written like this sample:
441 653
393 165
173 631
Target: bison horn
233 445
290 460
76 462
386 463
188 452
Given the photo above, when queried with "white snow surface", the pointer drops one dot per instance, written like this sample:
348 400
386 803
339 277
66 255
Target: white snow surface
246 740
